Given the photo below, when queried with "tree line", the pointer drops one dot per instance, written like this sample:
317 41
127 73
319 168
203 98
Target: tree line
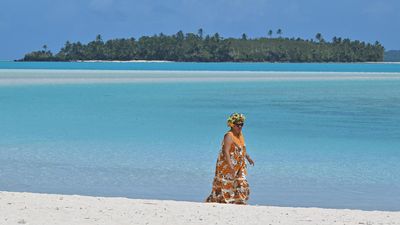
392 56
197 47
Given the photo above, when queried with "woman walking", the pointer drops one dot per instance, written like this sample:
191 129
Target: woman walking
230 184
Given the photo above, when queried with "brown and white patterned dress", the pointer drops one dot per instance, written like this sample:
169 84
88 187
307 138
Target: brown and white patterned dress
228 189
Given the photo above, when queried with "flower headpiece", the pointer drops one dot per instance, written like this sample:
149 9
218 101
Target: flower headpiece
235 118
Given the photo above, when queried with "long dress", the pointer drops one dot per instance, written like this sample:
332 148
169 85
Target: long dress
228 189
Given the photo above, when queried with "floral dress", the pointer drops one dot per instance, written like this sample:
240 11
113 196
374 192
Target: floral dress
228 189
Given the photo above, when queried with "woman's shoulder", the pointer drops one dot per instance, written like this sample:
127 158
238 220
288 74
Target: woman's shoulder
230 133
228 136
231 137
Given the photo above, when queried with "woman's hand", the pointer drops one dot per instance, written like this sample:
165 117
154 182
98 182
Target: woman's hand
250 160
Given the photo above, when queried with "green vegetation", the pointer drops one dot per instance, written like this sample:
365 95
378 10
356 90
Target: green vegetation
192 47
392 56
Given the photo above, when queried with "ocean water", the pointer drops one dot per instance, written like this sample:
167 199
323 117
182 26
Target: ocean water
316 143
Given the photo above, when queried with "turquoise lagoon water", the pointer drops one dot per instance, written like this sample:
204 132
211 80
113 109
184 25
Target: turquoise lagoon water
316 143
176 66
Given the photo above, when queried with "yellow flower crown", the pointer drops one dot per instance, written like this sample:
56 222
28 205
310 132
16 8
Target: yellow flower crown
235 118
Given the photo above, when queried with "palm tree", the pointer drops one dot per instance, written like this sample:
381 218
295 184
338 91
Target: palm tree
334 40
318 36
200 33
180 36
98 38
217 37
279 32
270 33
244 36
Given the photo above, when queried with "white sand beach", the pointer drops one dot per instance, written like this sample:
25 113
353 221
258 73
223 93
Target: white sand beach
49 209
126 61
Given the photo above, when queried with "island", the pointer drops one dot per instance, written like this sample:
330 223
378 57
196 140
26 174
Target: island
197 47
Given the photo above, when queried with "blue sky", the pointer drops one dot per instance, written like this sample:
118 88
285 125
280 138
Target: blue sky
26 25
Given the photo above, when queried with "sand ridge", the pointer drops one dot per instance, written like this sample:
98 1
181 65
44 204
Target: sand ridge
28 77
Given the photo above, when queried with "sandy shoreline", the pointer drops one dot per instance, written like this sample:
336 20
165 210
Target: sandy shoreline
166 61
42 209
21 77
126 61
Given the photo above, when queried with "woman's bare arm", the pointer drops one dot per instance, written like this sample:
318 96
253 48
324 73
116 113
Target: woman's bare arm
248 157
227 145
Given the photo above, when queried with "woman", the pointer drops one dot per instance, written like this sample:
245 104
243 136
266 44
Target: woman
230 184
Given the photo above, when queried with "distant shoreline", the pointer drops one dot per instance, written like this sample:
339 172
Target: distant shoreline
166 61
127 61
383 62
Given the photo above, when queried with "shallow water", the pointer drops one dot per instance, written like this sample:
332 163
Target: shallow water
316 143
228 66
